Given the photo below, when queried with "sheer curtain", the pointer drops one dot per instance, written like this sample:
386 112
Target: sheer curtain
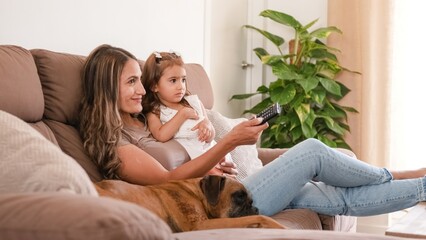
408 91
381 40
365 47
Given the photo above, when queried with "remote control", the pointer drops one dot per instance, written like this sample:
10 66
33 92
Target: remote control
269 113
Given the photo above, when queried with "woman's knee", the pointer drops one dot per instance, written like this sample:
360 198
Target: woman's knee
313 143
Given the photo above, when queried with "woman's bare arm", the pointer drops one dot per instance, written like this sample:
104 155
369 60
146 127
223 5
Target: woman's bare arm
141 168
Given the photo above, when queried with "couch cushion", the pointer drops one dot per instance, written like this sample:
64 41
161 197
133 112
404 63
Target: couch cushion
42 128
70 142
75 217
31 163
199 84
60 76
277 234
20 89
338 223
299 219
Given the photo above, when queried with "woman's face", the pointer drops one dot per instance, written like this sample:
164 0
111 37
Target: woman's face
131 90
171 87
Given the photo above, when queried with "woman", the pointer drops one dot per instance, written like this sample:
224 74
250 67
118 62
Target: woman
111 127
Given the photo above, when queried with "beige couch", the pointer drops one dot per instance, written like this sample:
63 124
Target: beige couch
43 88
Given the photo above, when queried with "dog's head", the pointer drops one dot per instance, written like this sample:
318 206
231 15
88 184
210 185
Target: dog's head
226 197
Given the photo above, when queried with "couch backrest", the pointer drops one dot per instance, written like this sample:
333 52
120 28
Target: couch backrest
43 88
20 87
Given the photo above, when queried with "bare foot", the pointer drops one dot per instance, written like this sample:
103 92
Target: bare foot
407 174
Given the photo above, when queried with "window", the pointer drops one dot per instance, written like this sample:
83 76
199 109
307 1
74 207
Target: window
408 91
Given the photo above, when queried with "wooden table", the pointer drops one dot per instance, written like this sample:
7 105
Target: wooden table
412 225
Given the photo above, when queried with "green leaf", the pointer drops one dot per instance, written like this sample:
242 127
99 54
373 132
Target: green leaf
263 89
276 40
331 124
327 141
310 119
284 72
302 112
297 100
271 60
331 86
318 95
296 133
279 83
336 112
260 106
294 120
343 89
282 18
308 83
307 26
260 52
283 95
243 96
350 109
322 54
308 131
325 32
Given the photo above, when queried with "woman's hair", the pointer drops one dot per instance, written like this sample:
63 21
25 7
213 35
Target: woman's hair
100 120
152 71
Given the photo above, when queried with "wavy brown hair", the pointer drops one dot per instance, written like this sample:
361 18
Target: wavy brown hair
100 120
152 71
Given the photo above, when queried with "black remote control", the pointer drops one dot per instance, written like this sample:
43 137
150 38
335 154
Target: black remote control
269 112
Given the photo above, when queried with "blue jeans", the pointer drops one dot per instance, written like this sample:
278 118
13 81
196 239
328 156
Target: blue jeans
314 176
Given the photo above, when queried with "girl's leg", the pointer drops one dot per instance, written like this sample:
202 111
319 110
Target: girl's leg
361 201
274 186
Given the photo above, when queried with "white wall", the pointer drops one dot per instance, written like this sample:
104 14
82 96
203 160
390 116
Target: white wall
78 26
208 32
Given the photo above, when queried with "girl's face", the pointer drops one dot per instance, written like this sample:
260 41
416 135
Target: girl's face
171 87
130 88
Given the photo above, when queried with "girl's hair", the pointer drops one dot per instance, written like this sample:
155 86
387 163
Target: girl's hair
100 120
152 71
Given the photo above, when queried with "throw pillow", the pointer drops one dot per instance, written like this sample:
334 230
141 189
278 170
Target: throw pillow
31 163
53 216
245 156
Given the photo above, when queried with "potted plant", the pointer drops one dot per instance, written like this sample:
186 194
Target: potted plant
306 86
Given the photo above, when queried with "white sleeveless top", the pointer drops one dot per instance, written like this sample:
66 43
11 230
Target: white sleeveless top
185 136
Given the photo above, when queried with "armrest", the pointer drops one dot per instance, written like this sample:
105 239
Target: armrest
267 155
69 216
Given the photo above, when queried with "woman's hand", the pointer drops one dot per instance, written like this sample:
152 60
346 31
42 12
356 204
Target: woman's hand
206 131
245 133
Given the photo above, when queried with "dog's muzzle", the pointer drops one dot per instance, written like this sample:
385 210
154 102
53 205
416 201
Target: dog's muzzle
242 205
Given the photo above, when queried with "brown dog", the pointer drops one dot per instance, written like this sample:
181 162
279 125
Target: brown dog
201 203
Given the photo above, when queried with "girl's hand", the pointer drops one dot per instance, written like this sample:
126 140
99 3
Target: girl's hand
188 113
205 131
228 167
224 168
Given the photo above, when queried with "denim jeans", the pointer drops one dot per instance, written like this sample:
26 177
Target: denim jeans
314 176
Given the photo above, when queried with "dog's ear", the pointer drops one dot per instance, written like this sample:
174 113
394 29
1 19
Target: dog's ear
212 186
